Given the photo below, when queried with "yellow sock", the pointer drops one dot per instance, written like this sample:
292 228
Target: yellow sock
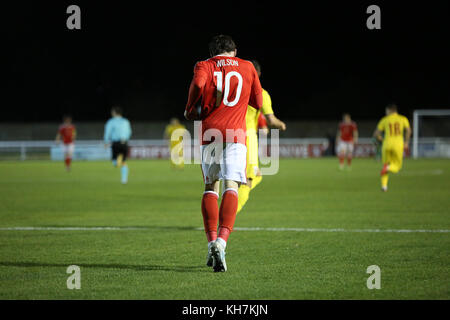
384 180
255 181
243 195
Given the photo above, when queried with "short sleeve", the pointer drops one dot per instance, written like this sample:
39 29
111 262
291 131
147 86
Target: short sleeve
200 69
168 130
200 75
267 103
406 122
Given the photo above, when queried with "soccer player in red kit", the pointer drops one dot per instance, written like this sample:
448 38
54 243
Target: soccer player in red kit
224 85
67 133
347 136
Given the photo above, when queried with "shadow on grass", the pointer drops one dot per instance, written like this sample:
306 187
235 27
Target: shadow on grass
22 264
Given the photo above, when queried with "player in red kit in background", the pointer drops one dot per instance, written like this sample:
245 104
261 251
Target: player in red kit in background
346 137
225 85
67 133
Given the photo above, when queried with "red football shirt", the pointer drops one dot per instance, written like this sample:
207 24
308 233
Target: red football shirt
227 85
67 132
347 130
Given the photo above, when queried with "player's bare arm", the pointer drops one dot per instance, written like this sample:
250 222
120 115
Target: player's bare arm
264 131
378 135
407 137
58 138
274 122
355 136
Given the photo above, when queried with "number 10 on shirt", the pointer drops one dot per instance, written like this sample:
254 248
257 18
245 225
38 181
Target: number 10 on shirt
226 92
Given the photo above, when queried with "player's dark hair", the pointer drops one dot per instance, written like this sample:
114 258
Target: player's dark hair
117 109
392 107
67 115
345 114
221 44
257 65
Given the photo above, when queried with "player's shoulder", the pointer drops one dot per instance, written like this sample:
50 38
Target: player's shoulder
202 63
343 124
383 121
111 121
207 63
243 61
405 120
246 64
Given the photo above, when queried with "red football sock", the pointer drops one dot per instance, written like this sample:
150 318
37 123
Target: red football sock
67 161
210 211
227 213
341 159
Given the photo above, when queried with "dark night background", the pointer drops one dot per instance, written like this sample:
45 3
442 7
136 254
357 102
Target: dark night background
318 58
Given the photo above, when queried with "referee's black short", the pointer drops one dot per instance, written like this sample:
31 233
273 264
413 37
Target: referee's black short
119 147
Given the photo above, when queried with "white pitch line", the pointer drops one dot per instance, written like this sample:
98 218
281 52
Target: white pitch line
236 229
67 228
343 230
436 172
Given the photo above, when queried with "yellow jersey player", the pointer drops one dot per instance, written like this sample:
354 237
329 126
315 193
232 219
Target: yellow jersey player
176 156
397 133
254 176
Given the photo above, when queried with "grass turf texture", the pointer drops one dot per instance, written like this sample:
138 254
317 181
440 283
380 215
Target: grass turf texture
166 259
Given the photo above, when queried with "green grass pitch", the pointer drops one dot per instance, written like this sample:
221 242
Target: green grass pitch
164 258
